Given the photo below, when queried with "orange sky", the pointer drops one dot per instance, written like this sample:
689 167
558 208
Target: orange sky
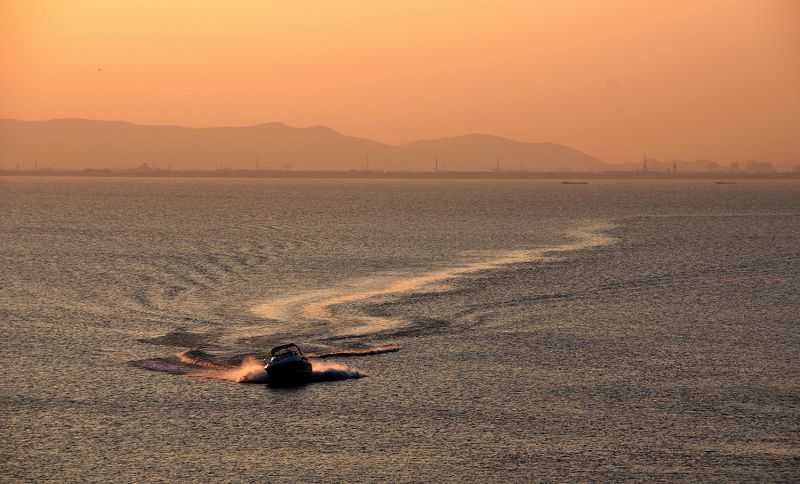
690 79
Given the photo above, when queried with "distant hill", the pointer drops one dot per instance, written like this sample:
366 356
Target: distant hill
481 152
78 144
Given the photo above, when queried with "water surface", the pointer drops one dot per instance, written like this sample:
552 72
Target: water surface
616 330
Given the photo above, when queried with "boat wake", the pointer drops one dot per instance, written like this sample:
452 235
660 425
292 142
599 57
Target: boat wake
199 364
370 350
322 308
334 314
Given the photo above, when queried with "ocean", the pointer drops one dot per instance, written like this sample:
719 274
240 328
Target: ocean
462 330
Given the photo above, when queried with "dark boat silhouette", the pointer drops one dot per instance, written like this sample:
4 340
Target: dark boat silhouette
288 363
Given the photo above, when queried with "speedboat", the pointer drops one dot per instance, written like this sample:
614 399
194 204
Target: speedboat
288 363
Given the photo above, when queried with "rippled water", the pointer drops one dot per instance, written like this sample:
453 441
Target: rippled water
462 330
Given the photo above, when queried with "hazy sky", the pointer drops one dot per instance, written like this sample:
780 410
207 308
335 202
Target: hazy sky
687 79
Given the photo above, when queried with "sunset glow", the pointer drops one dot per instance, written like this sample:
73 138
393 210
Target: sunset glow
687 80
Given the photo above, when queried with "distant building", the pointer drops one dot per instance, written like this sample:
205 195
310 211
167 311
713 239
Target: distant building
734 167
685 166
708 165
756 166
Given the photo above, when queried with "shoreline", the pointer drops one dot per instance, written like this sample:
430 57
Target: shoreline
450 175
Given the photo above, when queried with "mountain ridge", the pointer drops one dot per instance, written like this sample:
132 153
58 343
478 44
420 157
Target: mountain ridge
75 143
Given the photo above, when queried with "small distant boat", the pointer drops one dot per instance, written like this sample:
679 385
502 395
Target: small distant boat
288 363
725 183
574 183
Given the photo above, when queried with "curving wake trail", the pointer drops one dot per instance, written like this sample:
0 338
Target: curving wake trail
318 310
319 305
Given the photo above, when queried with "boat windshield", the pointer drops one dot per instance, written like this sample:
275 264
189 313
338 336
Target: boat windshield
285 350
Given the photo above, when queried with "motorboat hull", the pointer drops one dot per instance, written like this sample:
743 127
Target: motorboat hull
289 370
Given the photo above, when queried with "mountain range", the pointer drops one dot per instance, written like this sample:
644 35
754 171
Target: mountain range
79 144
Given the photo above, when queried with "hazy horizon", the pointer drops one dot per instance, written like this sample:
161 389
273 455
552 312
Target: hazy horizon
715 80
77 144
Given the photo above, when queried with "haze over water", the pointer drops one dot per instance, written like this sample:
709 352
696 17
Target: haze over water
616 330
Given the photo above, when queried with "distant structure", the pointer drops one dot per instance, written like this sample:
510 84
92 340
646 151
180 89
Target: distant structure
258 160
644 163
497 165
734 167
758 166
436 164
674 166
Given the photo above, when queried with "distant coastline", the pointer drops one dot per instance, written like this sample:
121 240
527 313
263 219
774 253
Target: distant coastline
363 174
279 150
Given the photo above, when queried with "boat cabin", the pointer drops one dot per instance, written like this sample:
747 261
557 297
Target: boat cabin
285 350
